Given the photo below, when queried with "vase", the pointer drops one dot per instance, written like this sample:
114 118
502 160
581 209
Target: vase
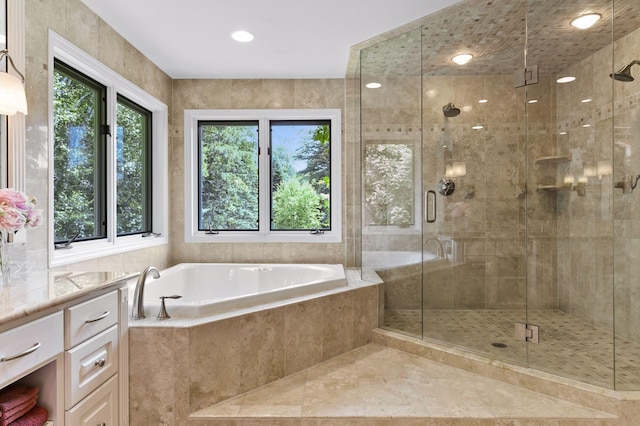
5 261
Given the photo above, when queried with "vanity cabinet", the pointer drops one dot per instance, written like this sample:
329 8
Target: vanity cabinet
77 357
91 359
29 346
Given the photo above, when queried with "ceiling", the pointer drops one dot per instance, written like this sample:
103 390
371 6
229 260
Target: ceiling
496 33
293 38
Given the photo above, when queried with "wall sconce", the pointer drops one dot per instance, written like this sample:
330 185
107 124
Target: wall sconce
604 168
12 95
581 186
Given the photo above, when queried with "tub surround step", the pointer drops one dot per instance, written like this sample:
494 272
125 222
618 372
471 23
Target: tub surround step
375 384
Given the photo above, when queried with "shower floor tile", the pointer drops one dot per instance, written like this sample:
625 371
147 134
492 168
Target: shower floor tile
568 346
379 385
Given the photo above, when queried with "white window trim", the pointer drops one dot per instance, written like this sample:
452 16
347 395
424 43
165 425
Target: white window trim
191 118
68 53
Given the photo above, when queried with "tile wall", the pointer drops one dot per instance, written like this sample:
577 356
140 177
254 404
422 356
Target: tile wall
205 364
72 20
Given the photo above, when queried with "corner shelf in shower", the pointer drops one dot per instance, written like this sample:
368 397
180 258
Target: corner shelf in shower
554 159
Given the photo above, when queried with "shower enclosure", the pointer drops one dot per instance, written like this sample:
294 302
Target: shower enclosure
498 196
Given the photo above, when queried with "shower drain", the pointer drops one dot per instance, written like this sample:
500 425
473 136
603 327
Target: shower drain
499 345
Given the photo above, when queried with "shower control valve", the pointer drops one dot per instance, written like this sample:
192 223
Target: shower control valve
446 187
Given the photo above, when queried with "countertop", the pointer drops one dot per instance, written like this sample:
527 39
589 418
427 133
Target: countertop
40 292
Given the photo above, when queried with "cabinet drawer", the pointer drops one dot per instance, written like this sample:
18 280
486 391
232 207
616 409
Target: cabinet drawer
89 364
87 319
24 348
99 408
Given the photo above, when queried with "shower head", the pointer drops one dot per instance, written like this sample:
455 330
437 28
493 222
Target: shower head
625 73
450 110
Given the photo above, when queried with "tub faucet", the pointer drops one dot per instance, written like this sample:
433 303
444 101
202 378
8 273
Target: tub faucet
441 252
137 310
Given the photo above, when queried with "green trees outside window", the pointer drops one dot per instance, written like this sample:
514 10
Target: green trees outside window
80 160
298 174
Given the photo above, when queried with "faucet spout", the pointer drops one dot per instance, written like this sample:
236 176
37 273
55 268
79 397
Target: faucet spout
440 248
137 309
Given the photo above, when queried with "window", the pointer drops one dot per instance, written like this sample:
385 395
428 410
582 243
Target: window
109 165
262 175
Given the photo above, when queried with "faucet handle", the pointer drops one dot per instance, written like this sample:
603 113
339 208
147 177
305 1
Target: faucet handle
163 315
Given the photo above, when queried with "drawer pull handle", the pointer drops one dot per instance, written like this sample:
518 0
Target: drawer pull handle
31 350
101 424
103 316
100 362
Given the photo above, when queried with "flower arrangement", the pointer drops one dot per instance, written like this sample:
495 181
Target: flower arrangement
18 211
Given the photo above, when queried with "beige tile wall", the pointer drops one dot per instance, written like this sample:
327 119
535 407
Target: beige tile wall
254 94
74 21
202 365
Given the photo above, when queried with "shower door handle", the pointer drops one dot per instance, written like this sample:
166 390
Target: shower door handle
430 206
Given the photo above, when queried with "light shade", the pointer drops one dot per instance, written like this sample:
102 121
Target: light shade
12 96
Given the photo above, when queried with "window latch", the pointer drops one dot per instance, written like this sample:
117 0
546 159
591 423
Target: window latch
317 232
210 231
151 234
106 129
67 244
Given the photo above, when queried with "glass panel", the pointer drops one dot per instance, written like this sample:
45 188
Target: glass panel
473 160
569 216
300 175
390 109
625 127
133 167
79 170
228 184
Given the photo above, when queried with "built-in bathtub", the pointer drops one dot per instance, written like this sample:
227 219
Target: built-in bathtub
208 289
385 260
402 273
188 363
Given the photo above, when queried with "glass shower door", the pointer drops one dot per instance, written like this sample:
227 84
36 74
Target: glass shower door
474 158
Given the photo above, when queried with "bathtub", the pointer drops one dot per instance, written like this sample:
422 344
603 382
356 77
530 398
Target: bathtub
385 260
212 288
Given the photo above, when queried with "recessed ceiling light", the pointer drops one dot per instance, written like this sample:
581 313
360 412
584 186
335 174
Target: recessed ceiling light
532 101
584 101
483 101
567 79
242 36
373 85
462 58
586 21
478 127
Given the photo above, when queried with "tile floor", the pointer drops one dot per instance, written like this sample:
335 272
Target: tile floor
378 385
568 346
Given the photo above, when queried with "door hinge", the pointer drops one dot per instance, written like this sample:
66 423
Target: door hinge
527 332
526 76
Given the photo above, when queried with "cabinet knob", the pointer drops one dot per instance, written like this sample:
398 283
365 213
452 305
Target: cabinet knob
100 362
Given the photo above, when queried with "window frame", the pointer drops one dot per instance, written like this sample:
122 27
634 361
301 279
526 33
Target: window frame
191 119
74 57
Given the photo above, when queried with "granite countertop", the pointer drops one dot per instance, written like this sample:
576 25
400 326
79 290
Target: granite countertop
34 292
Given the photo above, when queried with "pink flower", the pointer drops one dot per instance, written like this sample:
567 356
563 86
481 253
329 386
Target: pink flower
18 211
